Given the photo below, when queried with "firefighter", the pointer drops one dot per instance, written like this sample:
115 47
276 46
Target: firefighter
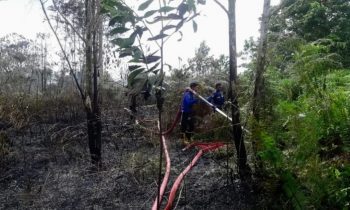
187 120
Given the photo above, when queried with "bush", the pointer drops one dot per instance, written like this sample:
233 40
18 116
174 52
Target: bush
306 143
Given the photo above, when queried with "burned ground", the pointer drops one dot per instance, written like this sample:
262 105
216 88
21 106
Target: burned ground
48 166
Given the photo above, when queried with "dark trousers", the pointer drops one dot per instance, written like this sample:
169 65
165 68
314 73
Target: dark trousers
187 124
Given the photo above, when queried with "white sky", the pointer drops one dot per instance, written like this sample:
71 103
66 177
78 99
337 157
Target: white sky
25 17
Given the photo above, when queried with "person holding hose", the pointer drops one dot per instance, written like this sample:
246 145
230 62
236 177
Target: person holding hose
187 120
217 98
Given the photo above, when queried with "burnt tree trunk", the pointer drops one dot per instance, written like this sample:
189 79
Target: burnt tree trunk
94 127
236 123
92 103
93 67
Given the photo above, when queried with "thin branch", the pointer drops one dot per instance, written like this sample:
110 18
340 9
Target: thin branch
63 51
68 22
222 6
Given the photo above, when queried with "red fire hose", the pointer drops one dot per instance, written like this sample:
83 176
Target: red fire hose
166 176
167 158
177 118
205 147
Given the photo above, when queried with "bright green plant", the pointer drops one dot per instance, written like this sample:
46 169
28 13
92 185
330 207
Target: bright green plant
128 28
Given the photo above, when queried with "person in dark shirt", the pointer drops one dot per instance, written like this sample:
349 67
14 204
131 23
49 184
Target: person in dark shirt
187 121
217 98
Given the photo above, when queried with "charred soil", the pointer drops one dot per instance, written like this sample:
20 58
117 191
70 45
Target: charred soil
47 165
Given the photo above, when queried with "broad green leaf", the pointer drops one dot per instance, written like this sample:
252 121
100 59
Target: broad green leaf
167 27
118 18
182 8
191 5
105 9
119 30
133 74
137 53
125 53
166 9
174 16
159 36
126 42
121 42
136 60
121 19
153 67
144 5
195 26
139 30
149 13
134 67
180 24
171 16
151 59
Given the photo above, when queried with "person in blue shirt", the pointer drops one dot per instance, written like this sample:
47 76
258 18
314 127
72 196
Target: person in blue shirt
217 98
187 120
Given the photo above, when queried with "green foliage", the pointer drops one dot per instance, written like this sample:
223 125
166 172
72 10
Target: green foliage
270 151
313 20
305 136
309 135
171 15
145 4
312 63
292 190
305 126
204 64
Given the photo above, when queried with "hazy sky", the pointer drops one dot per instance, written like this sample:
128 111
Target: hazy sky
25 17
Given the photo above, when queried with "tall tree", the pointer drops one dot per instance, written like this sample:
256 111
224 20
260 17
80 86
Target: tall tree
260 69
93 56
236 123
237 130
89 93
200 64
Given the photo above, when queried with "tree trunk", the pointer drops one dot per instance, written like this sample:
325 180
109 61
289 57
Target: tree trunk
94 127
258 86
93 111
261 61
236 124
93 57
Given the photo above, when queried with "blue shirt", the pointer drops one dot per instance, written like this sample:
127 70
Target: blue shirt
188 101
217 99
